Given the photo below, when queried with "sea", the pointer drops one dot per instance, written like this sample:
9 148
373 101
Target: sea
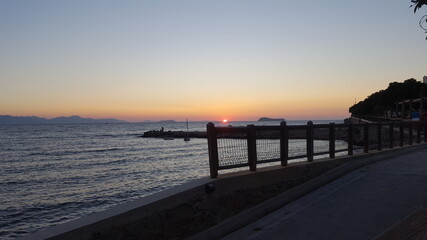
54 173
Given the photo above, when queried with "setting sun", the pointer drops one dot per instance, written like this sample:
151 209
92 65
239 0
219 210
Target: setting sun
225 121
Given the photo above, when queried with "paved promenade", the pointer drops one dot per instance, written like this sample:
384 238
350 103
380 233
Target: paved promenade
360 205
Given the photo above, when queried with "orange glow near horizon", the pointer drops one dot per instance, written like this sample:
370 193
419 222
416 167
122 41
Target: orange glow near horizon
236 109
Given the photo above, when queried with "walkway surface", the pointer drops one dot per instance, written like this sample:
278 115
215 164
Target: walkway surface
360 205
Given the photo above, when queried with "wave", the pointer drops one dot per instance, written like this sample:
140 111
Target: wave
104 150
74 152
50 175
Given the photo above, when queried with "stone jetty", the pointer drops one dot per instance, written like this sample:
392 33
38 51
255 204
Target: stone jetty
174 134
320 134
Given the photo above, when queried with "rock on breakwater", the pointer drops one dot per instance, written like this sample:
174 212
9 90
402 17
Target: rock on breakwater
174 134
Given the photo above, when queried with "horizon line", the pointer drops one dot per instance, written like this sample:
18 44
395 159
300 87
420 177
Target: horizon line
174 120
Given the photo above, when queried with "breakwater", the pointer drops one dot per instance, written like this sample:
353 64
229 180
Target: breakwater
174 134
321 134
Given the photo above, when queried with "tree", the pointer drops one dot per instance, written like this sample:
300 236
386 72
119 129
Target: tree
417 4
385 100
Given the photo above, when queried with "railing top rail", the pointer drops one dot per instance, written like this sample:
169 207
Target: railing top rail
303 126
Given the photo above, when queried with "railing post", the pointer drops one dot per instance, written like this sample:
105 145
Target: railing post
410 133
379 136
401 132
425 130
418 132
350 139
366 137
284 143
332 140
252 158
391 135
310 142
213 150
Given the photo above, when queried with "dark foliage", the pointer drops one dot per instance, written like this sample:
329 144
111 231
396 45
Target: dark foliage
417 4
385 99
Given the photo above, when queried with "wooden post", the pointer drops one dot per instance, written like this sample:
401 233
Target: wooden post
332 140
310 142
213 150
397 109
425 130
402 115
391 135
419 127
350 139
284 143
366 137
252 157
379 136
401 129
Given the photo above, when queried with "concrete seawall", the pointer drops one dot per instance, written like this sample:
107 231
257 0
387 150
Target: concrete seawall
211 208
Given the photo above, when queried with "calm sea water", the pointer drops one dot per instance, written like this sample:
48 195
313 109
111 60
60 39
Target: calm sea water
51 174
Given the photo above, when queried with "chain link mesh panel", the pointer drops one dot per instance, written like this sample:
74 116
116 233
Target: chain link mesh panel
268 149
341 138
321 143
268 144
232 152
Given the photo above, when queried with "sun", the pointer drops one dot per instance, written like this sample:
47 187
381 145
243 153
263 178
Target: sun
224 121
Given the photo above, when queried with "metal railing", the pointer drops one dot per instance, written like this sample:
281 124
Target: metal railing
236 147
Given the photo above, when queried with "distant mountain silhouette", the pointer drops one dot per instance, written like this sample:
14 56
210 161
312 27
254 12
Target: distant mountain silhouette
7 119
167 121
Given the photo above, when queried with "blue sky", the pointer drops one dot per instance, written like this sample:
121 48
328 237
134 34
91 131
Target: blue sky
138 60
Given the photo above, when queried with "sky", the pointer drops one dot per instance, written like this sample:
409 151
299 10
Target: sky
203 60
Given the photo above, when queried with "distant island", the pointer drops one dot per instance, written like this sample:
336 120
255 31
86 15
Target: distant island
265 119
10 120
167 121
